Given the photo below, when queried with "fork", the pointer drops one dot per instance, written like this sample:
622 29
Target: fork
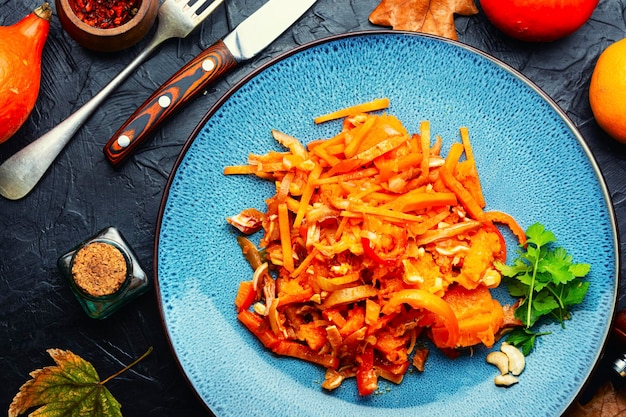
21 172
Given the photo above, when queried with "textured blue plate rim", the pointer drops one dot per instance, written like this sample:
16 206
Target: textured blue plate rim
517 74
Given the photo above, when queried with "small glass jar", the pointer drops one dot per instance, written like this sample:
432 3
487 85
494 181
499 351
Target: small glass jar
104 273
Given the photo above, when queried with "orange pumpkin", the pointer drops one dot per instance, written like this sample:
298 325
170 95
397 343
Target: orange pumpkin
21 46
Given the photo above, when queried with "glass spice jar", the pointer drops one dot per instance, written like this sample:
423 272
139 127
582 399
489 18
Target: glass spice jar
104 273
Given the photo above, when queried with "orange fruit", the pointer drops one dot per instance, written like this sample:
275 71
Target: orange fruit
607 91
538 20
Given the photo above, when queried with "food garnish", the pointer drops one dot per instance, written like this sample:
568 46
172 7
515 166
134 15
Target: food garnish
546 281
372 242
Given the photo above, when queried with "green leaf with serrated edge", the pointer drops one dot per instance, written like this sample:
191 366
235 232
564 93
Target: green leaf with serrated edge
545 280
574 294
516 289
542 280
71 388
580 270
544 303
517 268
526 279
524 339
538 235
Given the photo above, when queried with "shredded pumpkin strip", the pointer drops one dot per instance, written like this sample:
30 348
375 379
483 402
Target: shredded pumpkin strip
469 156
464 196
285 236
377 104
306 195
372 235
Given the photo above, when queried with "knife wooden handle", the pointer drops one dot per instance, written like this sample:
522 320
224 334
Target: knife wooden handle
191 79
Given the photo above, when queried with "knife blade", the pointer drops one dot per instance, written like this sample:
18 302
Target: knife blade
249 38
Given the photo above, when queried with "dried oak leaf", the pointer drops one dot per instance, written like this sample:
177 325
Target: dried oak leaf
435 17
72 387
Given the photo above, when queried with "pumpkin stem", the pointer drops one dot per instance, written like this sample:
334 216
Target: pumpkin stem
44 11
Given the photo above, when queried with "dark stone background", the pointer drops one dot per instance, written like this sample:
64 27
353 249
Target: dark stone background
82 194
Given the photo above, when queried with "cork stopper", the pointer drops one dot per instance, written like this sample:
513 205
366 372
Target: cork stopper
99 269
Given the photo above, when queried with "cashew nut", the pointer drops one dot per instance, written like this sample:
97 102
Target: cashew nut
505 380
500 360
516 358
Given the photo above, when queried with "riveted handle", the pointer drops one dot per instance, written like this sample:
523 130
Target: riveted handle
190 80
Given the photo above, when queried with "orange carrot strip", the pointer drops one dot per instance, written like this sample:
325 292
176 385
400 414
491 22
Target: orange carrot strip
306 196
332 160
351 214
337 149
417 200
305 263
383 212
381 148
344 166
301 297
285 236
270 167
413 159
508 220
454 154
245 295
357 193
255 324
358 135
271 156
239 169
297 350
377 104
368 172
425 145
385 127
341 227
469 155
464 196
339 138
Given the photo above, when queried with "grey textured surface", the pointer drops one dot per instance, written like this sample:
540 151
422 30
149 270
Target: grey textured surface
82 193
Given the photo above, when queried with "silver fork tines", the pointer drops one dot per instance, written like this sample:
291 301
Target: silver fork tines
21 172
180 18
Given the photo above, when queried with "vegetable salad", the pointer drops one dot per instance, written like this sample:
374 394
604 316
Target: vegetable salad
372 242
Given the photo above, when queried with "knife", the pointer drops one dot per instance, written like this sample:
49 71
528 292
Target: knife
249 38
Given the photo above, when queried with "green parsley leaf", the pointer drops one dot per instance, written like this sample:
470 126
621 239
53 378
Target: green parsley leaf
524 339
546 281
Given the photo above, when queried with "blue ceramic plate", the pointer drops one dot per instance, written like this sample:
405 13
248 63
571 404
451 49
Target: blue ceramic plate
533 164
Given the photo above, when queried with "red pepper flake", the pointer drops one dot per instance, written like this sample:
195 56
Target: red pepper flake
105 14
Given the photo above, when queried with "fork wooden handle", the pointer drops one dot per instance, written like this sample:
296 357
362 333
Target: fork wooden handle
190 80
